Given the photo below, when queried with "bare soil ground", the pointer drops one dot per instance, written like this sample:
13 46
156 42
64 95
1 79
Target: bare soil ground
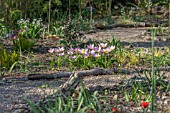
139 37
13 92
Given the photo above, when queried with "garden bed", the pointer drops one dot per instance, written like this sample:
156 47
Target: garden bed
16 83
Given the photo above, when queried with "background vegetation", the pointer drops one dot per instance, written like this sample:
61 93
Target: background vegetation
13 10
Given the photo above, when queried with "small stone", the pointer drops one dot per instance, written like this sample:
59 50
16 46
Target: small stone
75 95
115 97
148 38
166 101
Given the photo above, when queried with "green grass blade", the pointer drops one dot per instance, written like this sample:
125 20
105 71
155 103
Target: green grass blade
12 67
32 105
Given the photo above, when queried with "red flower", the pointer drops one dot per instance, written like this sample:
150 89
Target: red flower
145 104
115 110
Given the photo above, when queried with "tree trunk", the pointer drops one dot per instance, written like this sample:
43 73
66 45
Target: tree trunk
169 15
91 14
49 13
106 6
80 8
69 11
110 7
26 8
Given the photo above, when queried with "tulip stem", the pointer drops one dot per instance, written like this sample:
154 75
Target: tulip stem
153 88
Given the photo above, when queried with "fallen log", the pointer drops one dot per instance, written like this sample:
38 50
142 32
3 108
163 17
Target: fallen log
128 25
131 25
94 72
140 70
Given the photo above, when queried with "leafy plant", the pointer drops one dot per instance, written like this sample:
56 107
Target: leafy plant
7 59
138 90
145 6
20 43
160 78
71 30
24 63
30 29
59 31
121 57
101 55
162 3
167 58
114 42
85 102
159 31
3 29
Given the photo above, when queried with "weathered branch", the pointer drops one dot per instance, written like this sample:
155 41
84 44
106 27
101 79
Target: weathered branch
137 24
70 85
94 72
64 91
140 70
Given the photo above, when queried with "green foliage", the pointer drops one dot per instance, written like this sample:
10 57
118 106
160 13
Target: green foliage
137 91
14 16
30 29
71 30
159 31
13 10
160 79
3 29
7 59
167 57
145 5
162 2
105 60
59 31
21 43
84 103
